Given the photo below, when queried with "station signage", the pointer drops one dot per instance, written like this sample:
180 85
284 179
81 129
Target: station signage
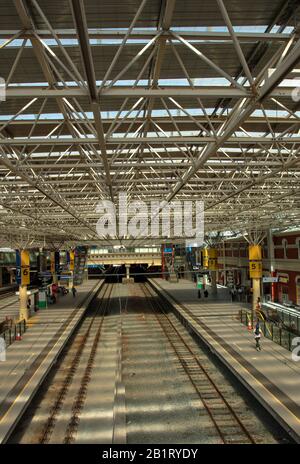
270 279
283 280
22 267
52 262
168 250
255 262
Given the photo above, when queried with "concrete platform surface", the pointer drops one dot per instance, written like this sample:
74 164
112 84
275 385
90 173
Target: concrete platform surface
271 374
29 360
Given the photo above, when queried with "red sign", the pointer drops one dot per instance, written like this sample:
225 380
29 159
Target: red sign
54 288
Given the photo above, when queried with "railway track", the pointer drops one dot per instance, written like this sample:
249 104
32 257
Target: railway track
97 318
228 425
171 385
7 295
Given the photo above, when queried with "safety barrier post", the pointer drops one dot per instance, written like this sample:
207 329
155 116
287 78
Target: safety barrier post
272 332
280 336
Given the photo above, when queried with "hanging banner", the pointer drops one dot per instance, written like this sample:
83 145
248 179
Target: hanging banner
18 267
25 268
42 260
72 260
255 262
205 257
212 259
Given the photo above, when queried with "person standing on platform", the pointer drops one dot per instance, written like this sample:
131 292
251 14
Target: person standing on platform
199 293
257 335
74 291
205 293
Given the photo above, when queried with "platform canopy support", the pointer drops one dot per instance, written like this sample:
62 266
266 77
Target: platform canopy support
255 237
23 279
213 242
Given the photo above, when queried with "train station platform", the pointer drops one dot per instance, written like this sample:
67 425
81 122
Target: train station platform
29 360
270 375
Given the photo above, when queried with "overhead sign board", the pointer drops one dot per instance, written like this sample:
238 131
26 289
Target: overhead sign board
270 279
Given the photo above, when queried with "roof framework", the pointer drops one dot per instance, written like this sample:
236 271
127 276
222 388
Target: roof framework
161 99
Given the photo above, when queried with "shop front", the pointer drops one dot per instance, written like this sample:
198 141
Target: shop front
298 290
283 288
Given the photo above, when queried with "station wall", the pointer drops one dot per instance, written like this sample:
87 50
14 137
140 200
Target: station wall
281 258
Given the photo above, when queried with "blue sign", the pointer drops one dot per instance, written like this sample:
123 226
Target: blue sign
18 267
168 250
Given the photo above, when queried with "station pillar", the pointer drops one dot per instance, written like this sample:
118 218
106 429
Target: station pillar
71 261
23 279
255 270
24 311
271 256
224 265
213 267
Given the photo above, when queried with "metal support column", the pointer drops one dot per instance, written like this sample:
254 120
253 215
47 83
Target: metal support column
255 268
24 312
213 267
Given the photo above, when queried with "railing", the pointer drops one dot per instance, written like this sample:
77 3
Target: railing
289 317
13 332
270 330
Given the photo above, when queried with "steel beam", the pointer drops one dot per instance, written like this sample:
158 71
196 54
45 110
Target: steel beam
201 140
